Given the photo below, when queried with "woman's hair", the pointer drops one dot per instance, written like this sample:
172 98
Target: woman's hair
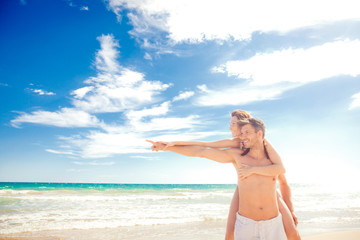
240 114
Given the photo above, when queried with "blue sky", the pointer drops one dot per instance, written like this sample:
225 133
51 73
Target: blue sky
84 83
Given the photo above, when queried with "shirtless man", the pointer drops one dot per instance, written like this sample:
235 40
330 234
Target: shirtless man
284 200
258 214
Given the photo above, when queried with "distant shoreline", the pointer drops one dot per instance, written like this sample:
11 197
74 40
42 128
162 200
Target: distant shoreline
4 182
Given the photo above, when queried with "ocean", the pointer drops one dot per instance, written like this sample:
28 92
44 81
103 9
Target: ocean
154 211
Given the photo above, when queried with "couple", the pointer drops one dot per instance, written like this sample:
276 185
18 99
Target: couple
257 210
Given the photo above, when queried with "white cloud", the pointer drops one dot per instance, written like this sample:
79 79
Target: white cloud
94 163
218 69
99 144
203 88
356 102
147 119
84 8
196 21
59 152
298 65
183 96
118 92
167 123
66 117
147 56
106 57
42 92
240 94
81 92
114 89
130 137
133 115
267 76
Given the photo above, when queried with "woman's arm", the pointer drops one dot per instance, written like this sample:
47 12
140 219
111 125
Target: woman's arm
224 143
283 184
286 195
270 150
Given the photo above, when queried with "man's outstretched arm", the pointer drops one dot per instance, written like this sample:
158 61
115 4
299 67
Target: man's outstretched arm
224 143
221 156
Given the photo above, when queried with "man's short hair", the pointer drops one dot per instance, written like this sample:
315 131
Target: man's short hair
240 114
257 123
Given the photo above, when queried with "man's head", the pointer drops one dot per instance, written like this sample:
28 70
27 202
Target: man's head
252 131
237 115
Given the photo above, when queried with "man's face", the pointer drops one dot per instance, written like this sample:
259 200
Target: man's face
248 135
234 127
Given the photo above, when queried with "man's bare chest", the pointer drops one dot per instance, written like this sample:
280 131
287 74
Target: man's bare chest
250 161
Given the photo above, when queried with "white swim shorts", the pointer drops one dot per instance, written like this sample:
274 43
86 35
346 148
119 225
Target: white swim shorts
248 229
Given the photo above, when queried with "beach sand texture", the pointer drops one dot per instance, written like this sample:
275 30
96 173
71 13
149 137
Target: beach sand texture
348 235
10 238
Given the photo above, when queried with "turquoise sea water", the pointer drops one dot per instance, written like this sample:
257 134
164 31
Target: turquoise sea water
36 186
39 207
61 206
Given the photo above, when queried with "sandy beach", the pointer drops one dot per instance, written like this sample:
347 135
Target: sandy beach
346 235
210 230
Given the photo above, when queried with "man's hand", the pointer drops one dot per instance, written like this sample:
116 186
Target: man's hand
243 171
156 146
167 144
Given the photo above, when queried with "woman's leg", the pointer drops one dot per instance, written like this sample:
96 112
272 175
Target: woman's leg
288 221
234 208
